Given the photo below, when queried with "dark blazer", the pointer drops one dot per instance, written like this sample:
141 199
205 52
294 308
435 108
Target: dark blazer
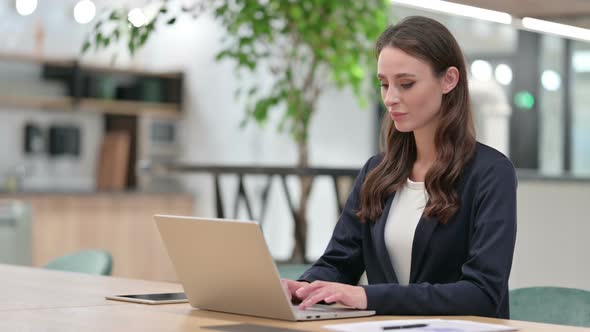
460 268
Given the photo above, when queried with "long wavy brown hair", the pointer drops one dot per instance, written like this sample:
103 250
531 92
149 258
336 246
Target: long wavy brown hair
430 41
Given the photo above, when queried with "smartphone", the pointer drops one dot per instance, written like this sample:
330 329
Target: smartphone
159 298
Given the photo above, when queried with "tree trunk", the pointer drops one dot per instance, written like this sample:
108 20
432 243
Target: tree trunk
300 249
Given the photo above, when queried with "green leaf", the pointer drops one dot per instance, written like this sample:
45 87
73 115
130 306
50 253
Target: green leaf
143 38
114 16
246 118
261 111
131 46
357 72
244 41
134 33
171 21
86 46
221 10
150 27
221 55
296 13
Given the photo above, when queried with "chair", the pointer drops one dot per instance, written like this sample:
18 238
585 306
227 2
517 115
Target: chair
15 233
292 271
98 262
555 305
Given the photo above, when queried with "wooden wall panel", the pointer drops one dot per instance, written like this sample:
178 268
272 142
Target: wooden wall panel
119 223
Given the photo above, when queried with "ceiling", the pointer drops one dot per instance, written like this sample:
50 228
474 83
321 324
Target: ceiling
555 9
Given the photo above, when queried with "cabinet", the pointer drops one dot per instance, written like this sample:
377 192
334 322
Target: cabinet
120 223
131 102
67 84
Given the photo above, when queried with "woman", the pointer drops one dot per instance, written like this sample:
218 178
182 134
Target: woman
432 220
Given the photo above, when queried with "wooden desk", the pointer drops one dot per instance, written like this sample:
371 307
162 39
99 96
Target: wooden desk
39 300
33 288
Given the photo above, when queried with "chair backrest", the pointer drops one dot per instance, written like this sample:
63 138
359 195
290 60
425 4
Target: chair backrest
555 305
292 271
85 261
15 233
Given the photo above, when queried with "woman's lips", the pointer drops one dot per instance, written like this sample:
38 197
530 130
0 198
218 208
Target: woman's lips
398 115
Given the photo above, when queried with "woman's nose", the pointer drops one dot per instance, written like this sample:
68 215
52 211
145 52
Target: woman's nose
391 97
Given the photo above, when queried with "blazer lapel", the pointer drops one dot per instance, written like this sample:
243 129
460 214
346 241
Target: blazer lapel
378 231
424 230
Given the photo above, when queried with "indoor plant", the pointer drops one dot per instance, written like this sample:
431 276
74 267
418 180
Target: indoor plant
306 45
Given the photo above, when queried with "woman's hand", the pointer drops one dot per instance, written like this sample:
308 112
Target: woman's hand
331 292
290 287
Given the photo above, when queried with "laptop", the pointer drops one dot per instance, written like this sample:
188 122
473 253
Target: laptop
225 265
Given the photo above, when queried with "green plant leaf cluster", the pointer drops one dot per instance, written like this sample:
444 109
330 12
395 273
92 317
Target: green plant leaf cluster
115 26
301 43
305 45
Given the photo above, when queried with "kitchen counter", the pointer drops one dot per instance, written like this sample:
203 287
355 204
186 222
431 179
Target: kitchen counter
120 222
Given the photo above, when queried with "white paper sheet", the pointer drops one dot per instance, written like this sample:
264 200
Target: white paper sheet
432 325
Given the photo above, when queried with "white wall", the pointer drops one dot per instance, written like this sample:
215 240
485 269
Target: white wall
552 239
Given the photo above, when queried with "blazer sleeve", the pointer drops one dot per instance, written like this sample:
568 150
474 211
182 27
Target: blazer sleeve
483 282
343 259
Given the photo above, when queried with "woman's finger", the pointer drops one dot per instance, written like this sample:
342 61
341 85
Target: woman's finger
336 297
285 284
315 298
304 291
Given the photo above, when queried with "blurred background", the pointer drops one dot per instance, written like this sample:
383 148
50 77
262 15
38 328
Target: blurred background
93 144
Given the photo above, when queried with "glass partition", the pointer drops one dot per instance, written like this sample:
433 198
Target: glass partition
580 102
529 92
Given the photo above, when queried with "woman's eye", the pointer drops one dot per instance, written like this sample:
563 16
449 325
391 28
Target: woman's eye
407 85
384 85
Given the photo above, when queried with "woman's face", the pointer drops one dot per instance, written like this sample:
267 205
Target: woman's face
410 91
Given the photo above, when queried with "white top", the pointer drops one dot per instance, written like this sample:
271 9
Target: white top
405 213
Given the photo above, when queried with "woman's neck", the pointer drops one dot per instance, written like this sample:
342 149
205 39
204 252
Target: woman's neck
425 154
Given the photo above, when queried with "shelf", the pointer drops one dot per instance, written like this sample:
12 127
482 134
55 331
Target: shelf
21 57
124 107
129 71
70 62
50 103
101 106
89 88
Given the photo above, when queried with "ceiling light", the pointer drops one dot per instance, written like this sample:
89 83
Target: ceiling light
458 9
563 30
481 70
137 17
26 7
503 74
84 11
551 80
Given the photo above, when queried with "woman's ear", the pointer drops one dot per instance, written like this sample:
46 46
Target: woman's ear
450 80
